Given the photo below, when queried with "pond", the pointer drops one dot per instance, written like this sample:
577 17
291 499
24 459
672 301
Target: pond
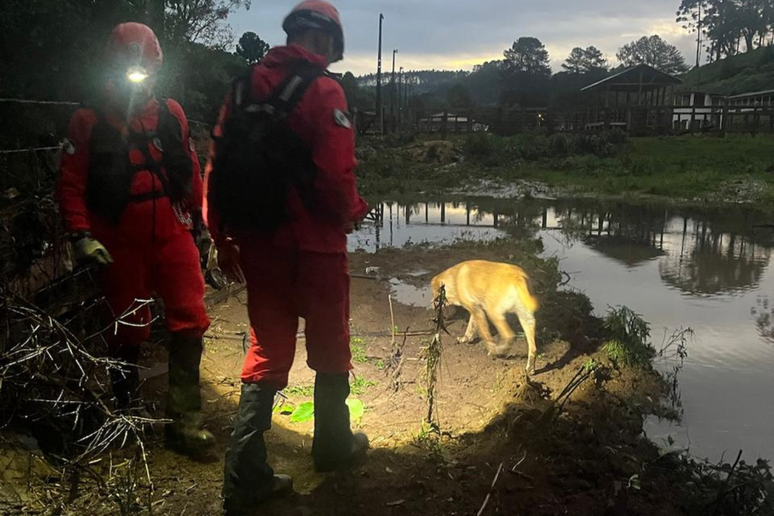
678 267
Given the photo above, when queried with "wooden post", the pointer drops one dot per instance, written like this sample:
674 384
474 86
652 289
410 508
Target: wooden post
444 121
724 118
470 121
549 121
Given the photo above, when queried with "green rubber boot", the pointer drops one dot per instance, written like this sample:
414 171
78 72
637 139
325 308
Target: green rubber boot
248 479
186 433
334 446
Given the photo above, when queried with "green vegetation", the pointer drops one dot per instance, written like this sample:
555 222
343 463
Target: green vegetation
300 390
734 168
628 338
743 73
357 346
360 385
305 411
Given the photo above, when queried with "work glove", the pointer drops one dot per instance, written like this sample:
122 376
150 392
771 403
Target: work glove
90 250
229 261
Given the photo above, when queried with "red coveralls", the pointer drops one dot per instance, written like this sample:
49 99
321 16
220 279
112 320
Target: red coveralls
301 270
152 249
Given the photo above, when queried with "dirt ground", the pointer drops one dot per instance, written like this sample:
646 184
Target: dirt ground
503 445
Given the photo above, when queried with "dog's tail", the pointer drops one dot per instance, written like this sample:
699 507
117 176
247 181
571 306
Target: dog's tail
529 301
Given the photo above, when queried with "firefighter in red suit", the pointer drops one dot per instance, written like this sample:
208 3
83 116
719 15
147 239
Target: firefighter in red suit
296 266
128 189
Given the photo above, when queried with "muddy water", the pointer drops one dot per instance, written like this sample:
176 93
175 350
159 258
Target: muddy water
707 269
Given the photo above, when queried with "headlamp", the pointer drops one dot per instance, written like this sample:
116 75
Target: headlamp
137 74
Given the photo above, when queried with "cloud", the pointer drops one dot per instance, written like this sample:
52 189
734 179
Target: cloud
453 34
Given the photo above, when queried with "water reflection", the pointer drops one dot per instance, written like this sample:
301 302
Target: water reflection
699 252
679 267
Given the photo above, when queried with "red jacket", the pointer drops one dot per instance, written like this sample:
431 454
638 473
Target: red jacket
141 221
332 141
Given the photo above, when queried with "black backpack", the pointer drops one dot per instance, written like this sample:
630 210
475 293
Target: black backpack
111 173
259 158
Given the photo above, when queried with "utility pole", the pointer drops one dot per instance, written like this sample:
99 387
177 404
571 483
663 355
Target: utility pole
379 117
392 90
698 46
400 103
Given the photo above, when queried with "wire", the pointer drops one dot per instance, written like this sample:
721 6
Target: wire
35 149
44 102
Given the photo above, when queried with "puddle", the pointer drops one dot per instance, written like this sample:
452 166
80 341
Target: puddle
411 295
704 268
424 224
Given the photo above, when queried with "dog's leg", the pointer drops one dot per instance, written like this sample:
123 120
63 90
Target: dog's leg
470 333
482 325
504 332
527 321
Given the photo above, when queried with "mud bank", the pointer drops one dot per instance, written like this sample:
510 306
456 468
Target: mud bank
506 444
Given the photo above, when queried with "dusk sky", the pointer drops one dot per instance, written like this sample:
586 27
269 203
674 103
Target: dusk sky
456 34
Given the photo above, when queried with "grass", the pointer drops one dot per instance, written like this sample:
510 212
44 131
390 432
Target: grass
686 167
743 73
357 347
300 390
703 168
360 385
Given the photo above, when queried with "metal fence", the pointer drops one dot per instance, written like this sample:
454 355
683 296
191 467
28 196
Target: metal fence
636 120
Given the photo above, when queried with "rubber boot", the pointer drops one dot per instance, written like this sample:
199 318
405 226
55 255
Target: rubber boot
126 380
334 446
248 480
184 399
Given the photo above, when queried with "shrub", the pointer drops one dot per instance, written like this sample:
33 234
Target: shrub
560 145
628 338
479 144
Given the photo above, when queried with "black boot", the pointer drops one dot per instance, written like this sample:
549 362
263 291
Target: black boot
248 479
334 446
126 379
184 399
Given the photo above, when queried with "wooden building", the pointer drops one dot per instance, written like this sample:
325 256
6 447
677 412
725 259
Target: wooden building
697 110
638 100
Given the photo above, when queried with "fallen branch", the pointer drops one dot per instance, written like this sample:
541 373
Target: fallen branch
432 356
491 490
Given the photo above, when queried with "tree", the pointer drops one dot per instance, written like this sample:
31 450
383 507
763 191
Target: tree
485 83
251 47
458 96
574 63
202 21
729 25
528 55
351 88
526 72
655 52
584 61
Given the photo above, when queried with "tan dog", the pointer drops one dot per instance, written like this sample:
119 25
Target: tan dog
490 289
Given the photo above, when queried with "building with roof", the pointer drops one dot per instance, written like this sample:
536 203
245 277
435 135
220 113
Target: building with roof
697 110
638 100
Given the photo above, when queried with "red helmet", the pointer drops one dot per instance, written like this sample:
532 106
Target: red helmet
134 44
320 15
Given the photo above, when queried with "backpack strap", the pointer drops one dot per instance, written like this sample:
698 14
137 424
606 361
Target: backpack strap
283 100
292 90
